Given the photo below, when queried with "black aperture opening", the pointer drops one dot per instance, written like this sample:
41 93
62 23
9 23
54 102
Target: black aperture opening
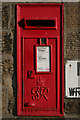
40 23
43 40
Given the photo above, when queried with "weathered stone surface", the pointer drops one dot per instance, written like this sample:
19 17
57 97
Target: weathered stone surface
0 101
7 78
13 15
7 67
5 15
41 118
8 101
72 15
72 45
72 106
10 105
79 15
4 101
0 23
7 42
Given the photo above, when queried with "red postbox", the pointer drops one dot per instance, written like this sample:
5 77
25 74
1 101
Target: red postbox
40 63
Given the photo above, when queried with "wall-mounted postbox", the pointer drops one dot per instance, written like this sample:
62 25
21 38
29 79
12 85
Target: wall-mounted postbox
40 66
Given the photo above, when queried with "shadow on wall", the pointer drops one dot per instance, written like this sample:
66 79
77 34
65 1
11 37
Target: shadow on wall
14 79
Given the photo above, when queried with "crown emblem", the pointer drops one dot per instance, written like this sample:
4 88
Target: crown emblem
40 81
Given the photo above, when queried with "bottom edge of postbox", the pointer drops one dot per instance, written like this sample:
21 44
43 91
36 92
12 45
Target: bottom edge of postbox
40 114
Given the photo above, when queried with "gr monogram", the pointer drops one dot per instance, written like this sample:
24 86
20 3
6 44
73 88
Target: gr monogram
39 90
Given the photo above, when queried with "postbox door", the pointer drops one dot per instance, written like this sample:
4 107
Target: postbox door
39 72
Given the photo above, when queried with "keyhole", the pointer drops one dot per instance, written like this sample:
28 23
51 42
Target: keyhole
30 73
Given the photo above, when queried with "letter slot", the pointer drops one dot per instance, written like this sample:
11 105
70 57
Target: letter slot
40 24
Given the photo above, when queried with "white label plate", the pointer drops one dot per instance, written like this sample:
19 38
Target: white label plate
43 59
72 82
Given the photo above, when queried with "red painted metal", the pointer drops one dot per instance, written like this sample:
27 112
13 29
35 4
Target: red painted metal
40 93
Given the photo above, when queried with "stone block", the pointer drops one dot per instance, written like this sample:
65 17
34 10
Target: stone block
72 44
5 15
7 42
7 80
0 100
13 15
7 68
72 107
0 77
72 15
10 105
4 101
8 101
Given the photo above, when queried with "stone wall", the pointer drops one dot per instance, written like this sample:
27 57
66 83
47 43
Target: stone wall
9 80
